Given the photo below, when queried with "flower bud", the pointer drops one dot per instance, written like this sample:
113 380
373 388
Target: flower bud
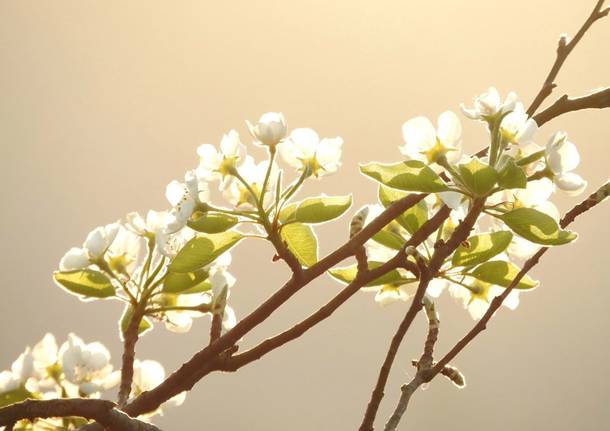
270 129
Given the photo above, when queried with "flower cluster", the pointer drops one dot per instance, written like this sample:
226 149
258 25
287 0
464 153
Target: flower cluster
516 178
73 369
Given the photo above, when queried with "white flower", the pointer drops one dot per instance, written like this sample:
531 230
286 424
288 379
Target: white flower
562 158
86 365
305 151
424 143
9 382
270 129
185 198
125 252
95 246
155 222
215 164
149 374
517 127
488 105
478 296
181 321
254 174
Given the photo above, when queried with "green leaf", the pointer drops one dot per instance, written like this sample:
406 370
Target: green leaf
511 176
212 222
481 248
203 250
412 176
348 274
389 237
288 212
143 327
14 396
413 218
88 283
536 226
322 208
478 177
502 273
188 282
301 242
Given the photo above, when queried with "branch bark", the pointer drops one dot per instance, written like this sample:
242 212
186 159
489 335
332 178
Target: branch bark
102 411
599 99
427 273
564 48
594 199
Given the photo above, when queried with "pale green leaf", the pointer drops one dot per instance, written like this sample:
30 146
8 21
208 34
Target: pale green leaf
322 208
88 283
302 242
502 273
478 177
480 248
413 218
212 222
203 250
511 176
14 396
536 226
411 175
348 274
191 282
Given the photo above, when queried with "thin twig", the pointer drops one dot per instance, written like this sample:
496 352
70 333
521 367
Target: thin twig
427 273
594 199
130 338
599 99
103 411
329 308
564 48
423 365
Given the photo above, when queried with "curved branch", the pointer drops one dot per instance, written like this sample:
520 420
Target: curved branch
238 361
594 199
442 250
103 411
564 48
599 99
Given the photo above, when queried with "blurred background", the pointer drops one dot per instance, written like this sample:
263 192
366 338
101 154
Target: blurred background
103 103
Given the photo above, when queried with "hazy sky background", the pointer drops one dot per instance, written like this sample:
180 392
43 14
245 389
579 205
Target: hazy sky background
103 103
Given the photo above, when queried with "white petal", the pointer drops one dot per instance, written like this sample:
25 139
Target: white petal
449 129
561 154
419 136
571 183
75 258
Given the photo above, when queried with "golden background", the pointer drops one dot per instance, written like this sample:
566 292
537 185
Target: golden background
103 103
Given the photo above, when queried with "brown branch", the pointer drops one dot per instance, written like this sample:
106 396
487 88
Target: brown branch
103 411
442 250
130 338
564 48
599 99
202 362
215 327
595 198
430 226
423 365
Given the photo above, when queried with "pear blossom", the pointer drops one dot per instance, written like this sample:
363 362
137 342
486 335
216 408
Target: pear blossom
216 164
562 158
517 127
425 143
147 375
95 246
270 129
87 365
254 174
477 297
305 151
125 252
152 224
185 198
489 105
